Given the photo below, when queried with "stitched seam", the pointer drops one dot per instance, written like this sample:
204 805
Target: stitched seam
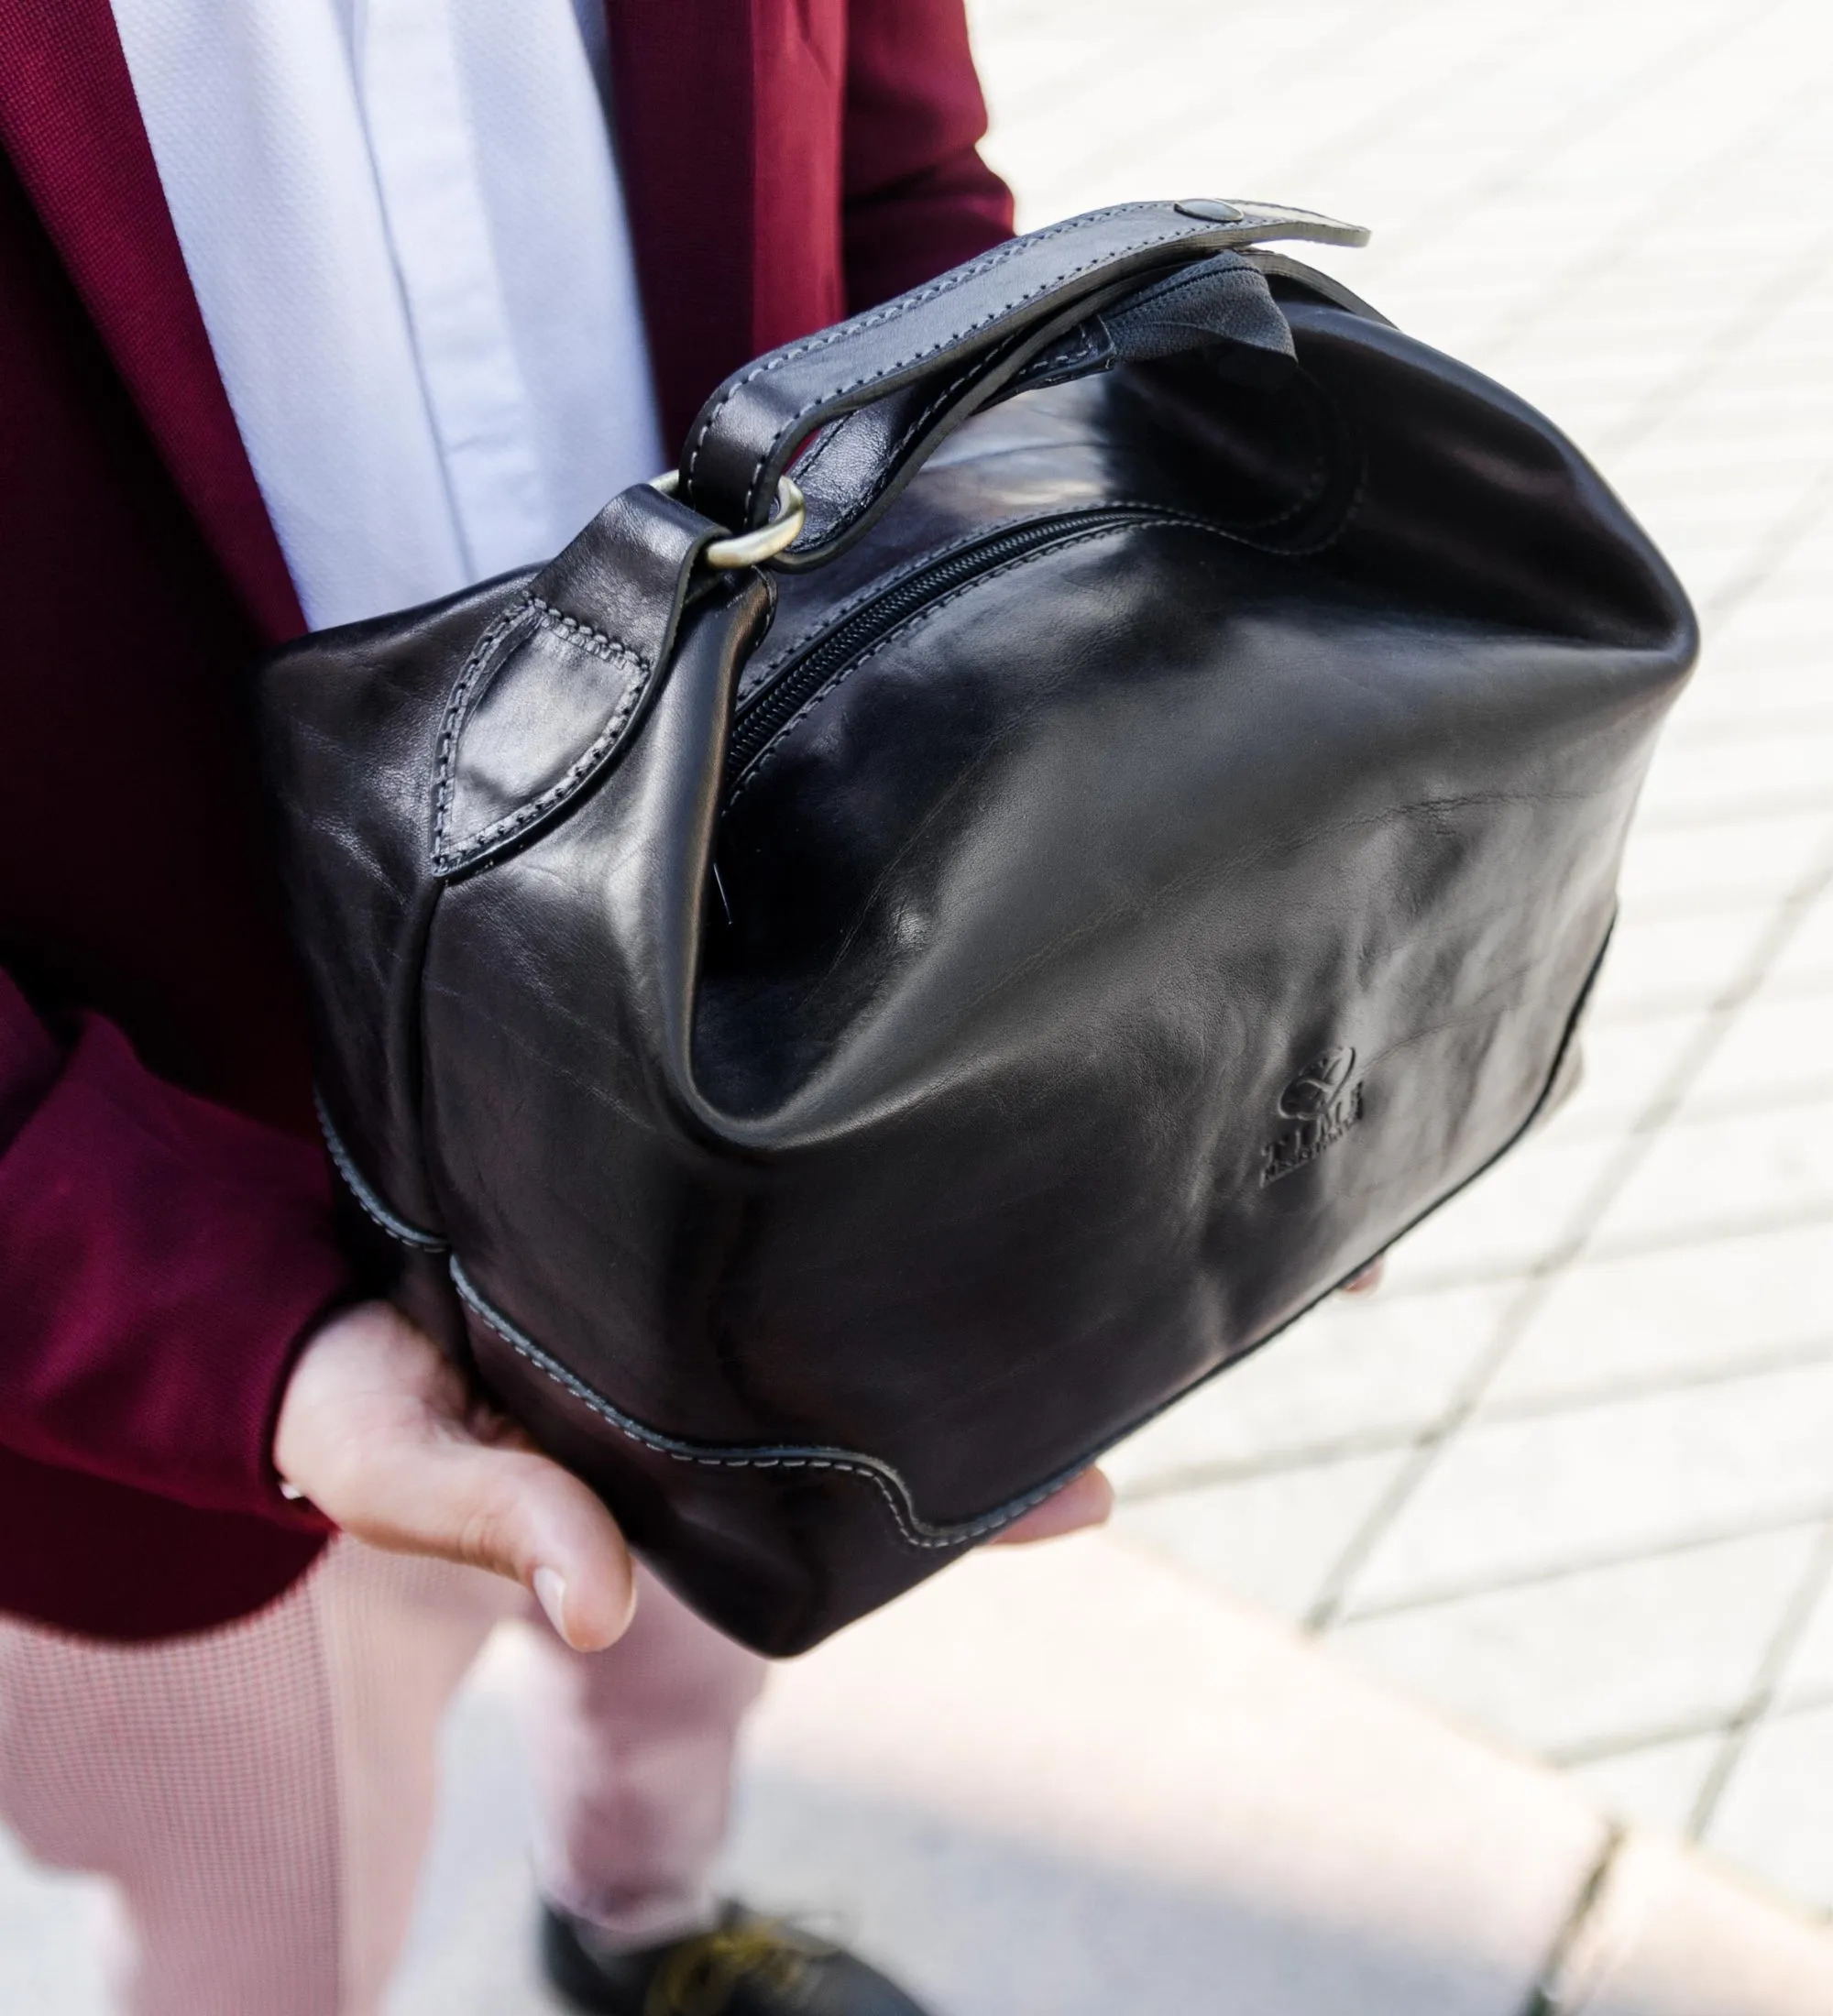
768 664
772 665
930 350
606 649
911 622
915 1531
1087 349
895 454
398 1229
583 634
1199 275
892 459
984 263
904 304
447 747
809 463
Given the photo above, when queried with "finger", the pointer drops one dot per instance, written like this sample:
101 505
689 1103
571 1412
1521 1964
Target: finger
1086 1500
1367 1280
506 1509
384 1435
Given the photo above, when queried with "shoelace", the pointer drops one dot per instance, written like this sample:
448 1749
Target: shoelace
701 1976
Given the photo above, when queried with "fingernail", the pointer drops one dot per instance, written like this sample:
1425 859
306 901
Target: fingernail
550 1591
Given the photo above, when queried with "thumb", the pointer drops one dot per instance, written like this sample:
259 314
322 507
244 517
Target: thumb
384 1435
510 1510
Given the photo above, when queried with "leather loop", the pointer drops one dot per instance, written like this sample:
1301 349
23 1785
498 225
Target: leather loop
862 460
553 691
948 348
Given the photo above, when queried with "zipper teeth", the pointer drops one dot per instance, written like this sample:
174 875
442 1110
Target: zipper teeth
758 720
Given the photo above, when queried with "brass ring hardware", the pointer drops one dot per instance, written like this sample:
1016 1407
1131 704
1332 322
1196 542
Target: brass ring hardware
752 549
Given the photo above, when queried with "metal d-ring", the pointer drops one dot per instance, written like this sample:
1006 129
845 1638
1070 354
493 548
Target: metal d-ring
752 549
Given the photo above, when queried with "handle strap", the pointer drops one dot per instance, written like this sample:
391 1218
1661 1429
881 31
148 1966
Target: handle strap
927 360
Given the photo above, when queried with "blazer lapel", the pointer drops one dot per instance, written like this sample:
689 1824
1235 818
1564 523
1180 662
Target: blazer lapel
686 111
70 122
729 142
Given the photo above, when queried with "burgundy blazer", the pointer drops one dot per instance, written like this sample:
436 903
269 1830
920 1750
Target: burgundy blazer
164 1237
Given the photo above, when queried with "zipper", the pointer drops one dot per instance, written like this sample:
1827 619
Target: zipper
765 714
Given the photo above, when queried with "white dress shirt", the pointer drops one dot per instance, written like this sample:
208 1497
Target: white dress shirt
404 223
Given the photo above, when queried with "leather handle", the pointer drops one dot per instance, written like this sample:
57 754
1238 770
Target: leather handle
918 364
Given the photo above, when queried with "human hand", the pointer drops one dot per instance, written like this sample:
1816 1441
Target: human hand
1084 1501
385 1436
1369 1279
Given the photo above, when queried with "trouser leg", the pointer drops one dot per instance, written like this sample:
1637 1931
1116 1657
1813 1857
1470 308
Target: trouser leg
260 1794
632 1751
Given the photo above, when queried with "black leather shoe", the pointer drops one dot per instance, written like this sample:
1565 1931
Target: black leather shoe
746 1966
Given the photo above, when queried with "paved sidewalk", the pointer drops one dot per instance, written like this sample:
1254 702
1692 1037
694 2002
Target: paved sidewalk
1076 1782
1570 1476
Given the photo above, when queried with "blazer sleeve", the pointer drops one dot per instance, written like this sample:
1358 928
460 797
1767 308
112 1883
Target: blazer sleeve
917 197
161 1260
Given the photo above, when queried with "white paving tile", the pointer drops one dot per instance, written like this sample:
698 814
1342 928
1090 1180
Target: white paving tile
1773 1816
1359 1366
1809 1674
1653 969
1076 1785
1678 1312
1513 1499
1625 1065
1601 1658
1754 686
1779 1048
1655 1786
1510 1217
1692 781
1807 959
1785 625
469 1949
1273 1540
1675 870
1772 1165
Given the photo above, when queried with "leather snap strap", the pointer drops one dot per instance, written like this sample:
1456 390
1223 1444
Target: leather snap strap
945 341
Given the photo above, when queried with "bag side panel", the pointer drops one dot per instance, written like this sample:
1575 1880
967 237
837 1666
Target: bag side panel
350 723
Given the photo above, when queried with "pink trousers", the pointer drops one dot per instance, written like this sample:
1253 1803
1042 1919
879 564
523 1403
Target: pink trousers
261 1794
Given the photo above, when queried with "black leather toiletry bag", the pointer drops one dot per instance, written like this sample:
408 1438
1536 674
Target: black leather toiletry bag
1088 808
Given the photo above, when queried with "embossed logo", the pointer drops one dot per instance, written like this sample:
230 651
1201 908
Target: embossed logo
1323 1101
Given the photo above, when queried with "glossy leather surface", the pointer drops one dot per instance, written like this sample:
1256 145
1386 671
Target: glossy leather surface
838 1049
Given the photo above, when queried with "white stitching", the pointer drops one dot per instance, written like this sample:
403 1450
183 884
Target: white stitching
891 460
373 1208
788 427
447 747
891 1486
902 305
594 640
584 638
